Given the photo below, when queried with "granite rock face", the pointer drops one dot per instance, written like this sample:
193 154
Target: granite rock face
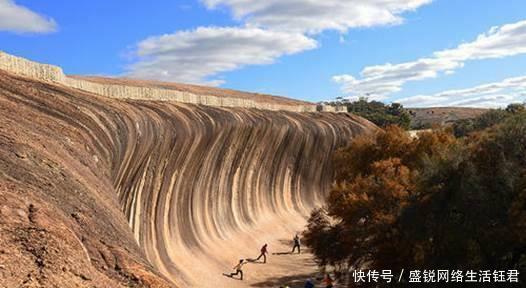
101 192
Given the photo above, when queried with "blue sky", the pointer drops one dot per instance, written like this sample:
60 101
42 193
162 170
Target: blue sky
418 52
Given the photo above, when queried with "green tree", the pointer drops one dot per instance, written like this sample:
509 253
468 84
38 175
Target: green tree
488 119
377 112
515 108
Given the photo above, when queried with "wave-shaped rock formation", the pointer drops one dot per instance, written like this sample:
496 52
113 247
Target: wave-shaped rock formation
101 192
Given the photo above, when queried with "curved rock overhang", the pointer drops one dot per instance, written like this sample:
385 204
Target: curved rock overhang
187 179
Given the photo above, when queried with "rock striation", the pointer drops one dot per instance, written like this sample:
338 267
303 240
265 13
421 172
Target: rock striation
104 192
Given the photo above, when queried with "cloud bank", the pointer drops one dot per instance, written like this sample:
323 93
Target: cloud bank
269 29
196 55
312 16
379 82
15 18
492 95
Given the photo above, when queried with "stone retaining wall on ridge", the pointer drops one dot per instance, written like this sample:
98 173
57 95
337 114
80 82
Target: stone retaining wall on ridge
51 73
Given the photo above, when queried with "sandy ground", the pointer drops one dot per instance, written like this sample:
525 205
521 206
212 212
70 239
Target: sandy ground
282 267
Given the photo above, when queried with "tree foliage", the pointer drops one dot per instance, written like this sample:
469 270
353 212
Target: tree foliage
430 202
377 112
490 118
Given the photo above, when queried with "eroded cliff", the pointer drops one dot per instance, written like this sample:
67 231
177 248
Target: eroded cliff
100 192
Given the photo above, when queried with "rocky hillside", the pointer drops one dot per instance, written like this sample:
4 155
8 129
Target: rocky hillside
102 192
423 118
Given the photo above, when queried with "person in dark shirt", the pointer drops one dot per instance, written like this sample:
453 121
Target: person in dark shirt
263 254
297 244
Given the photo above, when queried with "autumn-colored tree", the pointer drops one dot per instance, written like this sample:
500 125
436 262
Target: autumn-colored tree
375 182
429 202
472 204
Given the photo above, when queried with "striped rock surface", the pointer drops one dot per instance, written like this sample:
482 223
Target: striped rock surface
100 192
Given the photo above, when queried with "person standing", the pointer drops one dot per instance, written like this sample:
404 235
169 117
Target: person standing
263 254
297 244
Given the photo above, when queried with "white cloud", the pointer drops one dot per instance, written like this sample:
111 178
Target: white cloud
314 16
378 82
497 94
382 80
271 28
498 42
194 56
17 18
